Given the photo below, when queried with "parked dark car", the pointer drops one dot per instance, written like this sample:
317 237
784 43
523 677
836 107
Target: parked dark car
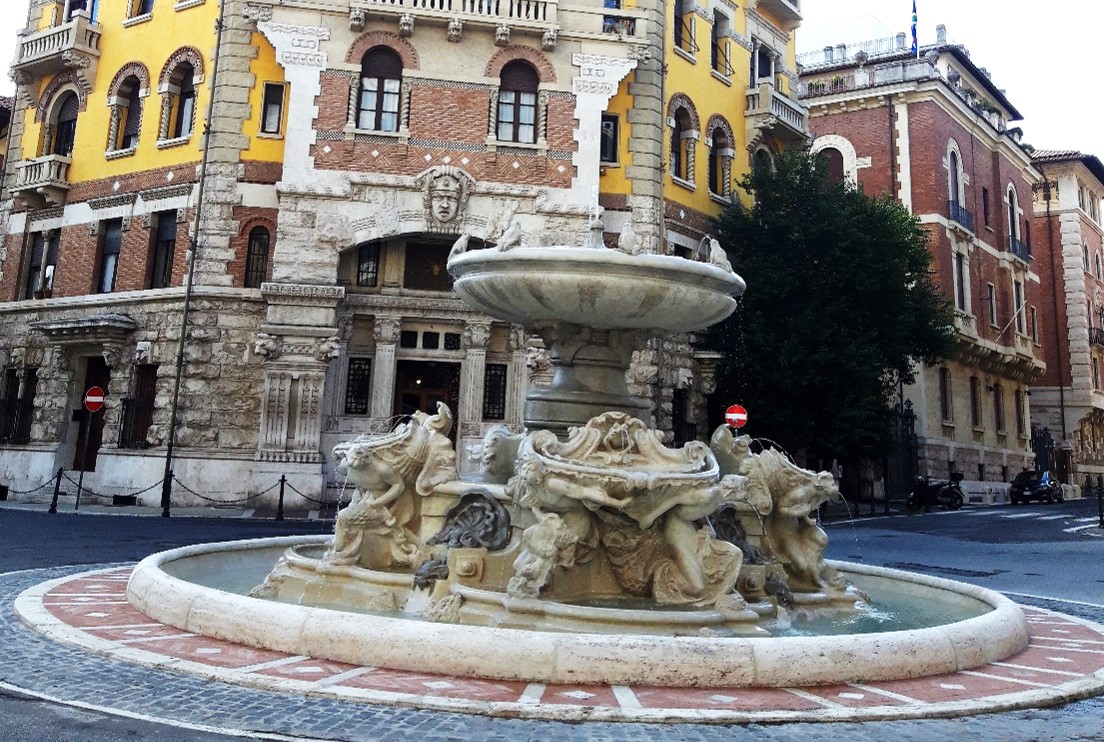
1034 485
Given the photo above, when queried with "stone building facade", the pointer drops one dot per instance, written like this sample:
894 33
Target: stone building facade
291 262
1068 400
935 132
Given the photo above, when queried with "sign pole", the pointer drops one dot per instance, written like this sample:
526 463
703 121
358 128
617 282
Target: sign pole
93 402
84 456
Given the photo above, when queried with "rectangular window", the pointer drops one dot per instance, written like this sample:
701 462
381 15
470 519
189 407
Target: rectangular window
9 405
408 339
272 108
358 386
368 260
1021 425
946 409
138 408
164 247
981 471
452 341
40 272
611 136
109 255
1035 325
975 402
140 8
998 407
494 392
985 205
431 340
992 299
960 281
1095 374
1018 295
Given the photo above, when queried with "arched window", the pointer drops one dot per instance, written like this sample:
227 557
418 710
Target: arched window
681 142
184 114
65 126
1010 204
517 103
256 258
955 183
832 160
380 81
719 157
763 159
126 115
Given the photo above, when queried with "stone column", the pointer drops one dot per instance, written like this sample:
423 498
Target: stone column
517 383
386 333
475 339
647 132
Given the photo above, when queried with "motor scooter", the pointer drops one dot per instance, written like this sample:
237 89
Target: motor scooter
928 492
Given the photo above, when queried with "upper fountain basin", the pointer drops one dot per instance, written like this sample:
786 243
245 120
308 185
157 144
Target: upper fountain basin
596 287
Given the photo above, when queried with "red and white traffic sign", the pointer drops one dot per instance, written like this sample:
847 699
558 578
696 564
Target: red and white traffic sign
736 416
94 399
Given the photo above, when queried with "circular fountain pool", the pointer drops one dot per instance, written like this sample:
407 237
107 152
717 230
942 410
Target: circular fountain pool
920 626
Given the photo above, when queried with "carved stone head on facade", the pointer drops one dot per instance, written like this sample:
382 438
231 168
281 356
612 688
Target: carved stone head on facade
446 191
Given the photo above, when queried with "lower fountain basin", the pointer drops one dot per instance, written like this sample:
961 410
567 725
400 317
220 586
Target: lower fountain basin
193 589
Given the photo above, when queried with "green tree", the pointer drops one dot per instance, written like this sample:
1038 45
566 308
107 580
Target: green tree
841 305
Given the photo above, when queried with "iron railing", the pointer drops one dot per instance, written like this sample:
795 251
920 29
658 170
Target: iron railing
1019 249
135 423
959 214
1096 336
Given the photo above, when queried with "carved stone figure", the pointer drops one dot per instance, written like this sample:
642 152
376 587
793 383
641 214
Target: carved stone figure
502 35
429 572
390 472
548 40
357 19
455 30
328 349
267 346
460 246
406 25
446 191
627 241
511 238
477 521
718 256
615 477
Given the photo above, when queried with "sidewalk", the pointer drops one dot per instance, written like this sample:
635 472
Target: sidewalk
66 505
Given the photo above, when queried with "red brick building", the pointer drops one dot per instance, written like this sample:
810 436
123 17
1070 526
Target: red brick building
1068 400
935 132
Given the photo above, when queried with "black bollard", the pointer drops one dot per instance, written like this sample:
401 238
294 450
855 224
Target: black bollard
280 505
57 491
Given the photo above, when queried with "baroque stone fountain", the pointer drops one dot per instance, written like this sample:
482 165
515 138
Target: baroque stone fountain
585 549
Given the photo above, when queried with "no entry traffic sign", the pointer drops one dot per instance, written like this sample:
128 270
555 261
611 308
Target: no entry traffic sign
94 399
736 416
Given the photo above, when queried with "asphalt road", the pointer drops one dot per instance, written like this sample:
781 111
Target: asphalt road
1046 551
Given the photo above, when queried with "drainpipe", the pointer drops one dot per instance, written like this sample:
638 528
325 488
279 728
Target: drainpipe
892 150
166 482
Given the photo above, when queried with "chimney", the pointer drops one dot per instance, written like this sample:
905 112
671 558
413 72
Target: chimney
828 54
841 52
901 41
941 34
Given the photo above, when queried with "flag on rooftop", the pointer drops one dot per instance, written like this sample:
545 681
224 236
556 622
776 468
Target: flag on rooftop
915 46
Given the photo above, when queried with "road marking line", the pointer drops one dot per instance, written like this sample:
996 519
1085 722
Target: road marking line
531 696
1093 519
1021 515
1038 669
273 663
1053 517
815 698
1017 681
888 694
626 697
1077 529
122 626
341 677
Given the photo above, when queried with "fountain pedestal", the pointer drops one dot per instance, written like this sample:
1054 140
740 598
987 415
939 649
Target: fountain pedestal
589 368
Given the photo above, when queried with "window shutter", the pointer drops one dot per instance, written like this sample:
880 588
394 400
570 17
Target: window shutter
70 107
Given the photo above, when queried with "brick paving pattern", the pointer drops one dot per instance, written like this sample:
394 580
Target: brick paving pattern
91 607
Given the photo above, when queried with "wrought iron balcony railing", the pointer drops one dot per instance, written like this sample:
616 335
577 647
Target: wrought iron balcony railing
519 13
960 215
1019 249
1096 336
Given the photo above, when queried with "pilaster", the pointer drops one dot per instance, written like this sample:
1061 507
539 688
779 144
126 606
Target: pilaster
386 334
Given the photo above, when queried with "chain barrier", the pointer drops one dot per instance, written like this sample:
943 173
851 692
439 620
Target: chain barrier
219 501
48 483
83 488
326 503
87 491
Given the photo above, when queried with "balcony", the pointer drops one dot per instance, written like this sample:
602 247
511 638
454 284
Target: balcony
43 180
533 15
788 12
1019 249
767 108
74 44
959 215
1096 336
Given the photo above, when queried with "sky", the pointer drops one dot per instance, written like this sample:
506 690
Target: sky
1041 55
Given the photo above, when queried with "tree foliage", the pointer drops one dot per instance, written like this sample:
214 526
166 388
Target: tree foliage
840 306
